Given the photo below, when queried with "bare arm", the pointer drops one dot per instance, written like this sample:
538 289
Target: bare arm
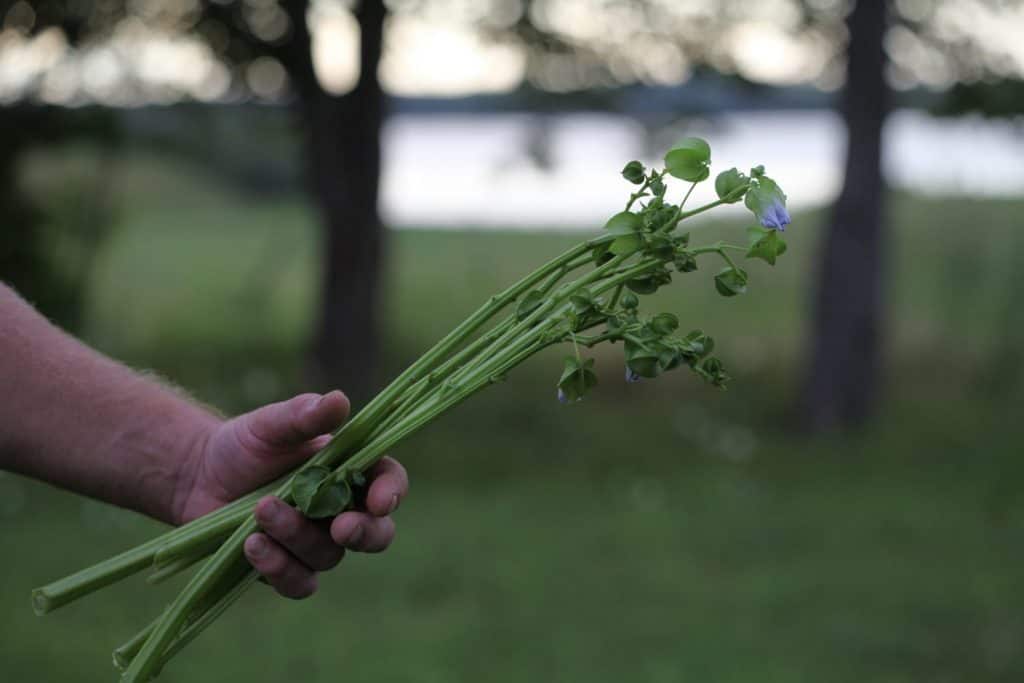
75 418
72 417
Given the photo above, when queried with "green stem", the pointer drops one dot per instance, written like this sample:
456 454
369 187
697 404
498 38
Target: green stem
190 632
68 589
707 207
615 297
688 193
721 252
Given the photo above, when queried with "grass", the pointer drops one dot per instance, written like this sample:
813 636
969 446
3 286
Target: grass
657 532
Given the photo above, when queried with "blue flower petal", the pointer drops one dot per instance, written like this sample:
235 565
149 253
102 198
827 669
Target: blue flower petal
775 216
631 376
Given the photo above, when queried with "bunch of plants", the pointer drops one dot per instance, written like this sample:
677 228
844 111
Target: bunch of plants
589 295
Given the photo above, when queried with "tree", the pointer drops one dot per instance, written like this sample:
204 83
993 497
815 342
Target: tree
342 151
340 136
842 377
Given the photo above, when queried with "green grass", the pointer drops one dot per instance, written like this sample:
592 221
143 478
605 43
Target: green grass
655 532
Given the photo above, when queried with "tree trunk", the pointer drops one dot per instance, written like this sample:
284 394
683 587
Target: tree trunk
342 140
840 388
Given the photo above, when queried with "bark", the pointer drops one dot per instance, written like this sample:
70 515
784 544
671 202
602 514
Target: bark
342 150
843 376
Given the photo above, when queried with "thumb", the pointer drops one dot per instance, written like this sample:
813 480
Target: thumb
291 423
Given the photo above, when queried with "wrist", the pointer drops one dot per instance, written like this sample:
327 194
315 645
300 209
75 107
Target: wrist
188 469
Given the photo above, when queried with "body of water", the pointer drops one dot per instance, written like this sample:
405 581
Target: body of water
540 172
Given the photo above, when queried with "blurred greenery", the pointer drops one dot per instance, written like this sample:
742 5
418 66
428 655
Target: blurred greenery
661 531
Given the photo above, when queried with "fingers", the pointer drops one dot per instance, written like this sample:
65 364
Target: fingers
389 483
310 543
373 531
288 576
363 532
292 548
297 420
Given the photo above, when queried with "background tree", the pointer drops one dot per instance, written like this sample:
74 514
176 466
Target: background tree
341 137
841 381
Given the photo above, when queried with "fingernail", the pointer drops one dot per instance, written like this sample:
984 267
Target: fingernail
356 536
256 547
394 503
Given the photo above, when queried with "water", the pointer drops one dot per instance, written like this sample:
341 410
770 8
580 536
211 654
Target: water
476 171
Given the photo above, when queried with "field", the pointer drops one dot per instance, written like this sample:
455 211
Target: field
657 532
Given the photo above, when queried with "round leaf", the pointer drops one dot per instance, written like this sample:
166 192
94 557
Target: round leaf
665 323
645 364
634 172
730 185
689 160
623 223
627 244
305 485
731 281
330 499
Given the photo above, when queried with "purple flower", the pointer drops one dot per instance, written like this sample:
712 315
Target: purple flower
562 398
631 376
775 216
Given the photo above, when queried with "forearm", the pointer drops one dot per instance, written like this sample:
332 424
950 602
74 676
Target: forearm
74 418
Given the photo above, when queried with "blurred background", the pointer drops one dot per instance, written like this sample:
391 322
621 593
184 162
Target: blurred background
256 198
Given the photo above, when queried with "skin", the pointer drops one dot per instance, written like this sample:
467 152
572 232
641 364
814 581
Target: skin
77 419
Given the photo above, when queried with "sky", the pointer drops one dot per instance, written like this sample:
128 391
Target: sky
442 52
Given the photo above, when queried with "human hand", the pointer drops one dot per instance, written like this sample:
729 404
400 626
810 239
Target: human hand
241 454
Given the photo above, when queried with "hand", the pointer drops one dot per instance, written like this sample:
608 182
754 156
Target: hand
241 454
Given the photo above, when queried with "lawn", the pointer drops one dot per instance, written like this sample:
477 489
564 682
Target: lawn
656 532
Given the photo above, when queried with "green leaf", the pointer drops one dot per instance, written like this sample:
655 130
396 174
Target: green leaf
306 483
627 244
731 185
629 300
714 372
665 323
528 304
698 344
648 284
602 255
765 244
689 160
685 262
731 281
623 223
634 172
582 302
316 496
644 363
660 247
329 500
658 187
643 285
577 378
